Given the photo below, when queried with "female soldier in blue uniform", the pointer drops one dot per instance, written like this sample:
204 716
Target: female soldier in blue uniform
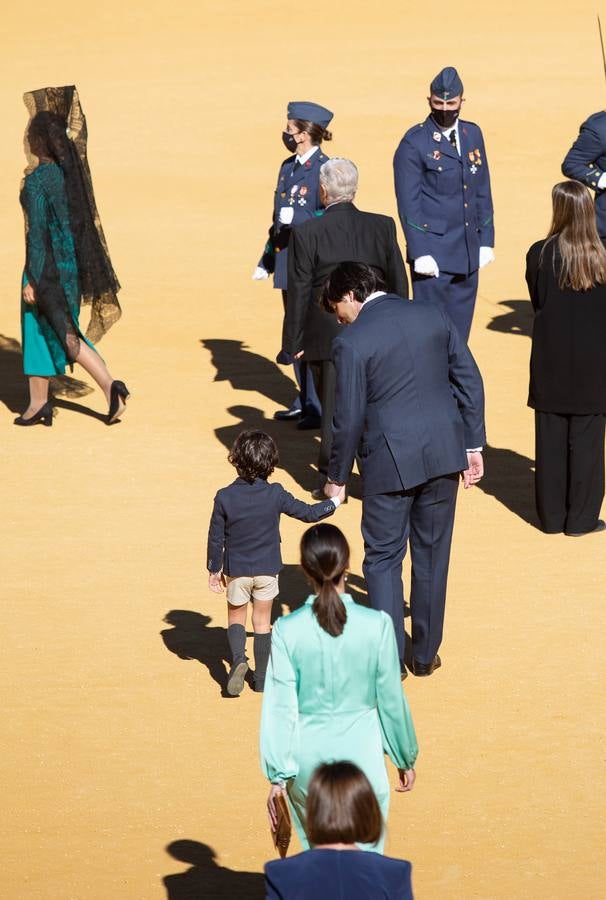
297 198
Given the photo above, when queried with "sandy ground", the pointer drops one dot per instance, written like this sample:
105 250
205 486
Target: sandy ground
116 741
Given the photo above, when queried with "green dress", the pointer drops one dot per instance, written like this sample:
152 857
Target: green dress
52 268
334 698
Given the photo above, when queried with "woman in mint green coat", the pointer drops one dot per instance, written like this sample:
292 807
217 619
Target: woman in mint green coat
333 689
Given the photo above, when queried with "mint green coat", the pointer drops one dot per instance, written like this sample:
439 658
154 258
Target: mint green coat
334 698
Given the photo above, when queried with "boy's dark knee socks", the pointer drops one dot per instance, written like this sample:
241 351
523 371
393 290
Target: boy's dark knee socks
261 649
236 636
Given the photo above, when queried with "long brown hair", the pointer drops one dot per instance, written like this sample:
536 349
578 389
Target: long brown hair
582 256
341 807
324 559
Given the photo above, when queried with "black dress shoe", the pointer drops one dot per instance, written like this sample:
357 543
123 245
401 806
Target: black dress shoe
44 416
421 669
287 414
309 423
601 526
403 672
117 401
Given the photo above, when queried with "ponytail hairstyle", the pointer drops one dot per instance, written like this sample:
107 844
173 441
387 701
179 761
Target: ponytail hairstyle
316 132
324 559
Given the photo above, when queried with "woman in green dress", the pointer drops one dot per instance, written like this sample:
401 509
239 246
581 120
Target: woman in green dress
66 257
333 689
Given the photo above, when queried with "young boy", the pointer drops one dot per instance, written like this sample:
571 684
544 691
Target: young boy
244 548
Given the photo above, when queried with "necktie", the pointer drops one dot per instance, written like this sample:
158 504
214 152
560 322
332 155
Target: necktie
452 137
297 165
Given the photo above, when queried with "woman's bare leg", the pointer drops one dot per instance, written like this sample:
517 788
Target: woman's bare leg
38 395
92 363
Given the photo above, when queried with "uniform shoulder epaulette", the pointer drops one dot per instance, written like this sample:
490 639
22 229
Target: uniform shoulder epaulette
596 117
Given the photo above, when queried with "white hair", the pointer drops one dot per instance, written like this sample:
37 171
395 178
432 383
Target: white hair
339 178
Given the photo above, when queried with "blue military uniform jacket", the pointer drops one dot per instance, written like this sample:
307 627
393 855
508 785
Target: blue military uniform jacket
586 161
444 200
298 189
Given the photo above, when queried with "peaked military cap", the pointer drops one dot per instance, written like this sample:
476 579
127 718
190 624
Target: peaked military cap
447 84
309 112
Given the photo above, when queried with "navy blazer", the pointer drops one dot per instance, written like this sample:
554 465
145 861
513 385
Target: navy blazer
244 533
410 397
444 200
298 189
586 161
338 875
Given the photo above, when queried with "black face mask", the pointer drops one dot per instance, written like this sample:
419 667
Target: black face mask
289 141
445 118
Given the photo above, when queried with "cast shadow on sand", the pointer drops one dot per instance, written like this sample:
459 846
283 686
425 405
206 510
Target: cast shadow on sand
206 878
509 478
14 390
516 318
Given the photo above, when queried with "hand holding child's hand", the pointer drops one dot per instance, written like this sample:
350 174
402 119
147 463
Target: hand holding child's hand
216 582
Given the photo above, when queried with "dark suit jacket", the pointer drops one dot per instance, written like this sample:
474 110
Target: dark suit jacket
408 386
316 247
338 875
586 162
244 533
568 359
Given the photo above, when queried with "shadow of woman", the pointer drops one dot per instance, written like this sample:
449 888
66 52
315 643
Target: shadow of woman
191 638
517 320
207 878
13 383
509 478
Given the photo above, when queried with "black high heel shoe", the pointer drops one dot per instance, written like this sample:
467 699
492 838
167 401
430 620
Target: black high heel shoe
117 403
44 416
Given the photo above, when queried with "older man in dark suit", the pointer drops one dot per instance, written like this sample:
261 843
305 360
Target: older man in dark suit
410 402
316 247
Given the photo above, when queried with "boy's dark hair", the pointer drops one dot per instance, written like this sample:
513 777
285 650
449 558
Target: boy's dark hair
341 806
359 278
254 455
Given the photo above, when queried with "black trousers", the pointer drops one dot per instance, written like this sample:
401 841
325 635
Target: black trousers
325 380
569 471
425 515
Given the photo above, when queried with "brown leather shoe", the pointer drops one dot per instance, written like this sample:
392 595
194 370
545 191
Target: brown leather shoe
422 669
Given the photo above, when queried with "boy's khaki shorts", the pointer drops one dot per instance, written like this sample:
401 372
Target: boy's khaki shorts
256 587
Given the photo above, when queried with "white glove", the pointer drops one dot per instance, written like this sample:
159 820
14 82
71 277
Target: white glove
426 265
486 256
260 273
286 216
602 182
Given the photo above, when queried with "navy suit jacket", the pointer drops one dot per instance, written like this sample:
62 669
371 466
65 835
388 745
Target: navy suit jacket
244 533
410 398
586 161
338 875
444 200
298 189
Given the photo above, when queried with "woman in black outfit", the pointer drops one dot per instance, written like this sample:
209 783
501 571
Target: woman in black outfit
566 276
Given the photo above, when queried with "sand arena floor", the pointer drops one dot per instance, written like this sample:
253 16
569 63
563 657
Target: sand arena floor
116 741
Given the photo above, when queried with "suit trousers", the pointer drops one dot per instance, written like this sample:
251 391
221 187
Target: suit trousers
307 399
456 294
325 378
425 516
569 471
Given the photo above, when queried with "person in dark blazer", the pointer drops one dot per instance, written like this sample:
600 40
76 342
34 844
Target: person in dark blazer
296 199
244 548
586 162
342 233
445 203
410 402
341 813
566 276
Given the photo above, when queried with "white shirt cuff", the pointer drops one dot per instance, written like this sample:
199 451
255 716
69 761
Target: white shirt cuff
602 181
336 501
474 449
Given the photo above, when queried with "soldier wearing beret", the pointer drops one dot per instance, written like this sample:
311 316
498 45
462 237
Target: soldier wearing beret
586 162
296 199
445 204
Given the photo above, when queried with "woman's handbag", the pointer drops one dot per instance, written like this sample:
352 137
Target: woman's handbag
281 836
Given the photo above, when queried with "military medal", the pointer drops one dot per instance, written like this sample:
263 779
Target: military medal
437 136
303 190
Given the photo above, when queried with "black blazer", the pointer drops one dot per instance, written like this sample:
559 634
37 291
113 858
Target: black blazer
316 247
568 359
338 875
244 533
409 388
